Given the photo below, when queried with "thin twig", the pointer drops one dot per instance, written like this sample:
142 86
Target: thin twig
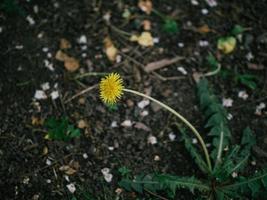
81 93
156 195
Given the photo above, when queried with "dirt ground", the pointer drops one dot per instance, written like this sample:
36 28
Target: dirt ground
30 35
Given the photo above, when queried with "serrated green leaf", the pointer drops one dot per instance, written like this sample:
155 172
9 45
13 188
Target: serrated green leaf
237 30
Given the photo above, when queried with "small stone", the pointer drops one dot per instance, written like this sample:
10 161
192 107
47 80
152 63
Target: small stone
253 163
48 181
45 49
144 113
129 103
114 124
111 148
180 44
203 43
26 180
35 9
48 162
212 3
81 101
105 170
194 2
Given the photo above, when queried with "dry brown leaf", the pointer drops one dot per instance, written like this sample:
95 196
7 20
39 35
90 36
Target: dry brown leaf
203 29
82 124
254 66
110 50
140 125
145 39
71 64
67 170
37 121
147 25
146 6
64 44
45 151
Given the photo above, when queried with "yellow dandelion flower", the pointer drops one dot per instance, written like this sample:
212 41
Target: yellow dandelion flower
111 87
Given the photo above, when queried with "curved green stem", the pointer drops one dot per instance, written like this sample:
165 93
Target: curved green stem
181 118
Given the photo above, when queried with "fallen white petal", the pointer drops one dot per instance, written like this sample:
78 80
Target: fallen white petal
182 70
127 123
30 20
172 136
243 95
40 94
45 86
105 170
82 39
108 177
142 104
71 187
54 95
152 140
227 102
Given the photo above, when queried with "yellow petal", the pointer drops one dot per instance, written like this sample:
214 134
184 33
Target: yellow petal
227 44
145 39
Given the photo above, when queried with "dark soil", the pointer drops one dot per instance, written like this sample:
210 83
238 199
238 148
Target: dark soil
24 169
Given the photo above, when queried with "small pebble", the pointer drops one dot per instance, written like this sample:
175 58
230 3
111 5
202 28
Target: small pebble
194 2
234 174
127 123
182 70
212 3
82 40
35 9
157 158
45 86
203 43
144 113
48 162
114 124
180 44
85 156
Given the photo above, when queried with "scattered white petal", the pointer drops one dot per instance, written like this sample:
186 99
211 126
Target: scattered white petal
212 3
45 86
48 181
84 55
180 44
48 162
67 178
253 163
45 49
127 123
56 85
172 136
82 39
249 56
144 113
71 187
84 47
156 40
182 70
157 158
107 17
243 95
226 148
56 5
40 35
234 174
35 9
194 141
105 170
49 55
30 20
26 180
85 156
111 148
194 2
227 102
49 65
203 43
204 11
142 104
208 145
259 108
108 177
229 116
152 140
54 95
19 47
40 94
118 58
114 124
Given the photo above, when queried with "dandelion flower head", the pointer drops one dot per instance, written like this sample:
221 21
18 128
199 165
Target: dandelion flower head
111 87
